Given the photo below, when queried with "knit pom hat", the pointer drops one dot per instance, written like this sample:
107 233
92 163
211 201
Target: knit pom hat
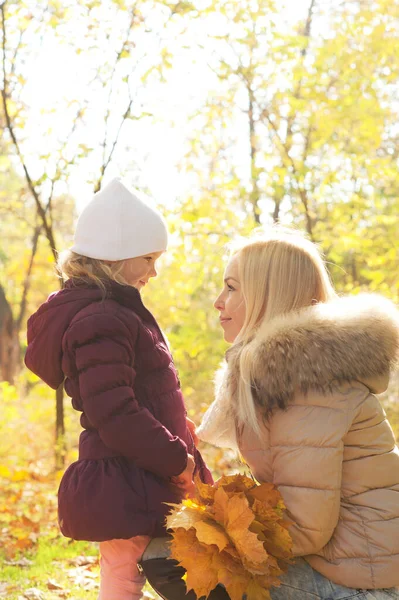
117 224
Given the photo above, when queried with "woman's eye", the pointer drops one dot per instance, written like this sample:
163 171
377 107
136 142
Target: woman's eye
148 258
230 288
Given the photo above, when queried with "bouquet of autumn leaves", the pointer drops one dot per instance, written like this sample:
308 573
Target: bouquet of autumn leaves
233 534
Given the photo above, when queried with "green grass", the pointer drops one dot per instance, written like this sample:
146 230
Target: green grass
50 561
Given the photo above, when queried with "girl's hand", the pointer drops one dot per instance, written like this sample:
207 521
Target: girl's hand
184 482
192 427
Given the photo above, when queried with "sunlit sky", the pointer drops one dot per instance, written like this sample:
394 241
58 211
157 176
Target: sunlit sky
55 73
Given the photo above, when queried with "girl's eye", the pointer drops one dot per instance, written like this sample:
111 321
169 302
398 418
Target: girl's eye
230 288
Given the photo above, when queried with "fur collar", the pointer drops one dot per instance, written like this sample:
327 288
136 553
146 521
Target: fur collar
351 338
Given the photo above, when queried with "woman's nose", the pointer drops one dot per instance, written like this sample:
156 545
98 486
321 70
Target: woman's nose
219 304
153 272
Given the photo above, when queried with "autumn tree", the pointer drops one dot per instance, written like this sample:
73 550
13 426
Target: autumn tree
309 109
117 50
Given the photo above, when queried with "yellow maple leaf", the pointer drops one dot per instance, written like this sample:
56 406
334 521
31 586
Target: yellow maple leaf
236 582
264 512
205 492
238 518
267 493
220 505
184 515
236 483
232 573
277 540
255 591
211 533
196 558
234 533
270 579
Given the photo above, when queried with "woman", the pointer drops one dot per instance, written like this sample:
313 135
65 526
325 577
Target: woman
296 397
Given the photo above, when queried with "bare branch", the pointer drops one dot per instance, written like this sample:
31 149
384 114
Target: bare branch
27 282
106 160
17 48
287 158
304 52
4 94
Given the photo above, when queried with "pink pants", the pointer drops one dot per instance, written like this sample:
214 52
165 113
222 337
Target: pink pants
120 579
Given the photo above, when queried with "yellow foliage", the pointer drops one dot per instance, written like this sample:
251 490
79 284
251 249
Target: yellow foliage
234 534
211 533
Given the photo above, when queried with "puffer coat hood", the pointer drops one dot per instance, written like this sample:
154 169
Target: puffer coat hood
47 326
326 442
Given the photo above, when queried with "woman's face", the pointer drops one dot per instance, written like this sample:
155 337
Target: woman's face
230 303
138 271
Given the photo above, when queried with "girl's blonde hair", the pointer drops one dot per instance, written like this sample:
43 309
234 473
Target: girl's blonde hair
279 272
89 270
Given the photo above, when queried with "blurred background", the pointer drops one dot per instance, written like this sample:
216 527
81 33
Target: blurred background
231 115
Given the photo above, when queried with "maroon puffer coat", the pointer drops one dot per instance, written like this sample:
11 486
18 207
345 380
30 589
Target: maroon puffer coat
121 377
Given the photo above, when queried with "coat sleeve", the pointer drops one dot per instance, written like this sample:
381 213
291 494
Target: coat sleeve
306 442
103 346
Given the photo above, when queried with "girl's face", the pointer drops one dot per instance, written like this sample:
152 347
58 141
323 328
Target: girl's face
230 302
138 271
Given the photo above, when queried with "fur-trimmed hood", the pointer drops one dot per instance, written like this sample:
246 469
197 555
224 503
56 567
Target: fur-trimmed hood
350 338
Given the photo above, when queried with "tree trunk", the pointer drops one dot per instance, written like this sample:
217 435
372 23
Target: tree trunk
276 211
60 448
8 341
255 193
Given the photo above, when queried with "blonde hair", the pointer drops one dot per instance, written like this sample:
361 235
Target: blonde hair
89 270
279 272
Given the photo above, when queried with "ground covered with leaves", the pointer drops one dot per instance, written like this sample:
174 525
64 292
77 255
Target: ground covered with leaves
36 562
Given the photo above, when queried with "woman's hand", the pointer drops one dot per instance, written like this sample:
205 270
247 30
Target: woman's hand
184 482
192 427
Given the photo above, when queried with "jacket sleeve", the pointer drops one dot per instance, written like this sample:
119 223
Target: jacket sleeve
103 346
306 442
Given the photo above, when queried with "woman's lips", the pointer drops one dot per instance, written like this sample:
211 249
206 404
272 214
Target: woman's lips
224 320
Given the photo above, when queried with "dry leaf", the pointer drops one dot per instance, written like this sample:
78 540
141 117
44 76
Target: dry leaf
196 558
83 577
238 519
22 562
53 585
256 591
233 534
186 517
236 483
80 561
235 582
206 493
220 505
33 594
211 533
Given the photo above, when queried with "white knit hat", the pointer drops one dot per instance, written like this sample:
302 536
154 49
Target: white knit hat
117 225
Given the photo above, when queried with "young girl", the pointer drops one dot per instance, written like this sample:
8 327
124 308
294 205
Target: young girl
297 398
136 452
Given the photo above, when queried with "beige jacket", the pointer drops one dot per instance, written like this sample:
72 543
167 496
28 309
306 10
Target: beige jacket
331 452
